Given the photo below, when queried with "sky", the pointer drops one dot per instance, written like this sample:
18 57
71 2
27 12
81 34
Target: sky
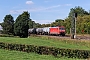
41 11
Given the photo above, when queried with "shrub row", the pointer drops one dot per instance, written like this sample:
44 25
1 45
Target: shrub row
57 52
6 35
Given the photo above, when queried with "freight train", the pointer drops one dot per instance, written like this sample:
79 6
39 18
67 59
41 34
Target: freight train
59 30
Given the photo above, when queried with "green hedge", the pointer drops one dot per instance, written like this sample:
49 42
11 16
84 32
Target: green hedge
57 52
6 35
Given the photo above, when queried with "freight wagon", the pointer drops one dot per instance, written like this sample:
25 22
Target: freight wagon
46 30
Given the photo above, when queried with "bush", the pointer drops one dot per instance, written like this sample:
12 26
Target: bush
57 52
6 35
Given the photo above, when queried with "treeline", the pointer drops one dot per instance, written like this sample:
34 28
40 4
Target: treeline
20 26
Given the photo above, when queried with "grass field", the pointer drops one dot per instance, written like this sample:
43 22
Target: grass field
43 41
40 41
16 55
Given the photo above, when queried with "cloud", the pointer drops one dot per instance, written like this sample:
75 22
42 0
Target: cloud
51 8
14 12
68 4
29 2
44 21
46 1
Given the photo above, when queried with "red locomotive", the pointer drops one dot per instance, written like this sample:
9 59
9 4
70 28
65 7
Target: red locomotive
57 30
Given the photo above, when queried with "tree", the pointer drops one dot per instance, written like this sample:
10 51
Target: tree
21 25
81 19
83 23
60 22
38 25
8 25
79 10
30 23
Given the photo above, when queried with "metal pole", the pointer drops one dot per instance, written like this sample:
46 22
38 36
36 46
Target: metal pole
87 28
75 28
72 26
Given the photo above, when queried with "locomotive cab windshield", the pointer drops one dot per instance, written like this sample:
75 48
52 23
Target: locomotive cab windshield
62 31
62 28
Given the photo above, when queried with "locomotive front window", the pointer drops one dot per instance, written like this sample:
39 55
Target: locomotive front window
62 28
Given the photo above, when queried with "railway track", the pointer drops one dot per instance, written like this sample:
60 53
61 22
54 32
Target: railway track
79 37
86 37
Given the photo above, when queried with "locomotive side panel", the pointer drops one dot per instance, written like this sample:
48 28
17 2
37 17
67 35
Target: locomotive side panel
54 30
57 30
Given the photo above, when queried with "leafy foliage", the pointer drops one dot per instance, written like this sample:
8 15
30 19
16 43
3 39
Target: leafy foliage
21 25
32 24
8 25
79 10
83 23
83 20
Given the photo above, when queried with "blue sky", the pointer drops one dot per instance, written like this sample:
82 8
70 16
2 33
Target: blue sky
41 11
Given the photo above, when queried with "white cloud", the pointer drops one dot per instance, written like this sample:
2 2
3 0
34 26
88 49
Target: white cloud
29 2
17 11
68 4
38 9
52 7
46 1
44 21
14 12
